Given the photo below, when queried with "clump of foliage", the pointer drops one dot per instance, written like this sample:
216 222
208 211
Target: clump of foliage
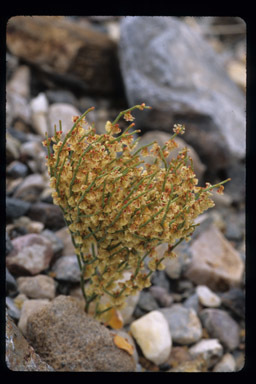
119 208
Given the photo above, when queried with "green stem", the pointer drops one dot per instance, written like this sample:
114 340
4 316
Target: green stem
128 110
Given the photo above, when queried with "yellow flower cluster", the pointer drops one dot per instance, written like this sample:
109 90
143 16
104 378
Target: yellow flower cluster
119 208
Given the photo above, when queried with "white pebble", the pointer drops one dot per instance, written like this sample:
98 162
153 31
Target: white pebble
152 333
226 364
207 297
210 349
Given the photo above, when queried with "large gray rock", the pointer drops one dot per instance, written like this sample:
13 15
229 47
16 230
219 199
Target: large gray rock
170 67
64 335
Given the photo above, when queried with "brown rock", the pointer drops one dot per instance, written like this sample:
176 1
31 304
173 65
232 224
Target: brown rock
214 262
37 287
66 49
20 356
31 255
63 334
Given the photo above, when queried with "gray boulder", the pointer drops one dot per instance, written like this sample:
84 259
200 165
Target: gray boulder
169 66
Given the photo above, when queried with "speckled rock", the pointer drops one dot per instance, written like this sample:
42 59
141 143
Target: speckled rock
31 255
219 324
29 307
184 324
73 341
20 356
152 333
37 287
210 349
214 262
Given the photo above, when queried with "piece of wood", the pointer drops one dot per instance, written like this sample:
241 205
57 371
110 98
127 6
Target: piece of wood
67 49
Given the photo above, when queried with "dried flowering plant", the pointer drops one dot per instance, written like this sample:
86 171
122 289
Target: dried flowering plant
119 208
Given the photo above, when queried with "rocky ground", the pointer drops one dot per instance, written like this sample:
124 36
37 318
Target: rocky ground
190 70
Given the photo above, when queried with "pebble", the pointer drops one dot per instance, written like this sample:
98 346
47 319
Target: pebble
152 333
18 109
179 354
34 154
147 302
37 287
234 299
60 96
161 295
214 262
65 237
12 185
12 148
70 340
10 282
16 207
31 255
206 297
17 169
29 307
39 112
226 364
35 227
12 309
192 302
184 324
66 268
210 349
20 356
8 244
48 214
128 310
57 244
220 325
196 365
63 112
19 300
19 83
30 188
